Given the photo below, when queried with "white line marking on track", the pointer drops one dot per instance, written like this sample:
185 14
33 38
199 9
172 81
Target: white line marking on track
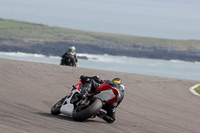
192 89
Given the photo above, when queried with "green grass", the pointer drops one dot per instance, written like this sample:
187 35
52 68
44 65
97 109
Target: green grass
12 29
197 89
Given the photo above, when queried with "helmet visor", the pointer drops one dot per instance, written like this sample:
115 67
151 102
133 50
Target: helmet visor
117 81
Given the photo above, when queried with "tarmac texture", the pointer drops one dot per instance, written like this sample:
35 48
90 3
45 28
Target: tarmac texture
151 104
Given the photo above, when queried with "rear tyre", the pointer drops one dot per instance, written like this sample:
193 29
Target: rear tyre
55 110
86 113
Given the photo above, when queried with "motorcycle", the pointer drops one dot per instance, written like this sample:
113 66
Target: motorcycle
82 108
67 62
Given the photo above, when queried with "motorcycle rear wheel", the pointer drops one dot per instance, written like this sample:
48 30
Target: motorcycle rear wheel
86 113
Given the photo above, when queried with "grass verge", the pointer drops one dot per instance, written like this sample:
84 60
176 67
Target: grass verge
197 89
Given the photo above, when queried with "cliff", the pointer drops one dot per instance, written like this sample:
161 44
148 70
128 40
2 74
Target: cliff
59 47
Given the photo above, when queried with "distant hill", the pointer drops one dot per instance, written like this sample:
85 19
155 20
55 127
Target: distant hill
42 39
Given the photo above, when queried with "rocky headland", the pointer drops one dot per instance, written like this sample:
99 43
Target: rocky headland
57 48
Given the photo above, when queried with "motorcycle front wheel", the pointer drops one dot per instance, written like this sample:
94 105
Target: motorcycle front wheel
92 109
55 110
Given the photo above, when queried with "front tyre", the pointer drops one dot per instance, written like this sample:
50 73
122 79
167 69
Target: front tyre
55 110
86 113
62 62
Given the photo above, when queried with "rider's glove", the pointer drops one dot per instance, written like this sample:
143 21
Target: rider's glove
83 78
83 94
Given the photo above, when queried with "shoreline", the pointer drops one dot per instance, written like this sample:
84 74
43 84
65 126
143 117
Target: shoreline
84 56
52 50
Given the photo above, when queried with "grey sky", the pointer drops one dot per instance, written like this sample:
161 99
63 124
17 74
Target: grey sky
176 19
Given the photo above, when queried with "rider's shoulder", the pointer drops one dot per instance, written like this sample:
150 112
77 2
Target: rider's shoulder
120 87
111 83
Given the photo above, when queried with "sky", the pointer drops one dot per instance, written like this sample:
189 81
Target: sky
170 19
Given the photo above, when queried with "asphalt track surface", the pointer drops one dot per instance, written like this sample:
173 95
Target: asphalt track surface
151 104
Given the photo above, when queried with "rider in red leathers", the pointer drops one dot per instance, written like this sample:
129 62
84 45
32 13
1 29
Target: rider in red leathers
92 83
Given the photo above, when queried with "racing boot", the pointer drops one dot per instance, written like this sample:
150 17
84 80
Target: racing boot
105 117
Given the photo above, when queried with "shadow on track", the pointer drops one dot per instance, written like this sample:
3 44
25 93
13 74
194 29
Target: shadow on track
63 117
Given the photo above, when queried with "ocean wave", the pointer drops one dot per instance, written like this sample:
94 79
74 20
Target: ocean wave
21 54
177 61
93 57
101 58
105 58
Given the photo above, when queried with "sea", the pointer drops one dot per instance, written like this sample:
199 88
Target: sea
155 67
152 18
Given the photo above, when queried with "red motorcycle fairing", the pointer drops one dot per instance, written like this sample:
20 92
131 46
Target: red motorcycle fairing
105 86
77 86
102 87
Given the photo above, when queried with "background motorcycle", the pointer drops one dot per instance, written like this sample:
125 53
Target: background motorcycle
66 62
82 108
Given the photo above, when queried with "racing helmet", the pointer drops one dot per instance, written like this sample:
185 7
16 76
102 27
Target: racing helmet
117 80
72 48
